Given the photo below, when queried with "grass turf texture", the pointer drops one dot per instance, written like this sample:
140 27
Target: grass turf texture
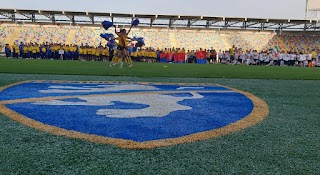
286 142
157 70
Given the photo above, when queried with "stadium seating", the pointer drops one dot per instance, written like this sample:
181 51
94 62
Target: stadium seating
161 38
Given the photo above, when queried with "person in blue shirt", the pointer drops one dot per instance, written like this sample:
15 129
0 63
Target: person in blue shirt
7 50
21 49
49 53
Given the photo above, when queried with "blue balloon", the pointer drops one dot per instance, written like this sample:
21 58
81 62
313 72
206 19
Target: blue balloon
135 22
107 36
111 43
107 24
140 41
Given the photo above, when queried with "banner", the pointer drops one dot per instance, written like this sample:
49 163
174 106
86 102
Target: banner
179 57
163 57
169 57
201 55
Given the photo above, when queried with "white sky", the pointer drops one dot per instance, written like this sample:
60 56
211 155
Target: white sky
282 9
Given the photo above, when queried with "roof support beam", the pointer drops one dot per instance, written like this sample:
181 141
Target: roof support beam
50 16
262 26
244 24
225 24
33 17
171 21
152 20
91 18
71 17
13 17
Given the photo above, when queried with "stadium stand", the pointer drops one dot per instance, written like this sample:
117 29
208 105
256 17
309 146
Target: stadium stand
161 38
179 40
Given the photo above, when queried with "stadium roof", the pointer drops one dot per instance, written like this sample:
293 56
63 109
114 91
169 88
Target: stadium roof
172 21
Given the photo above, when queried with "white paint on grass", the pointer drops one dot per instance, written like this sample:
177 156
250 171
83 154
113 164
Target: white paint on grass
159 105
96 88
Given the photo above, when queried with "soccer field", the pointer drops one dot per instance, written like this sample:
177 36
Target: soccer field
153 70
286 142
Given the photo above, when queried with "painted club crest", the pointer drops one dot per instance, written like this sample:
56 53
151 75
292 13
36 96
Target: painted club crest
132 115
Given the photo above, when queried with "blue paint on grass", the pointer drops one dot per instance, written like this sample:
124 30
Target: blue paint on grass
214 111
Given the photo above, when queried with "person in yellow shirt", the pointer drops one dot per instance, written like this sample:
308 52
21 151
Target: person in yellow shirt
98 54
154 53
142 55
25 51
81 52
30 48
93 53
16 50
102 52
313 55
85 53
232 53
135 55
34 51
53 51
89 53
43 52
37 51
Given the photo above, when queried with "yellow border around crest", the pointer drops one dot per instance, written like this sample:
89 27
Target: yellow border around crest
259 113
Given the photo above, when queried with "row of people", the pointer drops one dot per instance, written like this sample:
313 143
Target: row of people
232 56
72 52
271 58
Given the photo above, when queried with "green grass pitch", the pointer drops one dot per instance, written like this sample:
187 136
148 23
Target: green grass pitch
286 142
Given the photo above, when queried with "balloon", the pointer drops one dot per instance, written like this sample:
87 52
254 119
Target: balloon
107 24
140 44
107 36
140 41
135 22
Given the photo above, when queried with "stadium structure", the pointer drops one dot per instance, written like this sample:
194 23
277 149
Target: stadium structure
161 31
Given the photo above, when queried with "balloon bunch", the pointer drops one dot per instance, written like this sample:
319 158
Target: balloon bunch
109 37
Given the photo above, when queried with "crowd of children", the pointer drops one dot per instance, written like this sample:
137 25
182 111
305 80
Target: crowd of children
233 56
73 52
271 57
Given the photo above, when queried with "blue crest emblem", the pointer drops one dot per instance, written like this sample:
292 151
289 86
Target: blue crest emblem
132 115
